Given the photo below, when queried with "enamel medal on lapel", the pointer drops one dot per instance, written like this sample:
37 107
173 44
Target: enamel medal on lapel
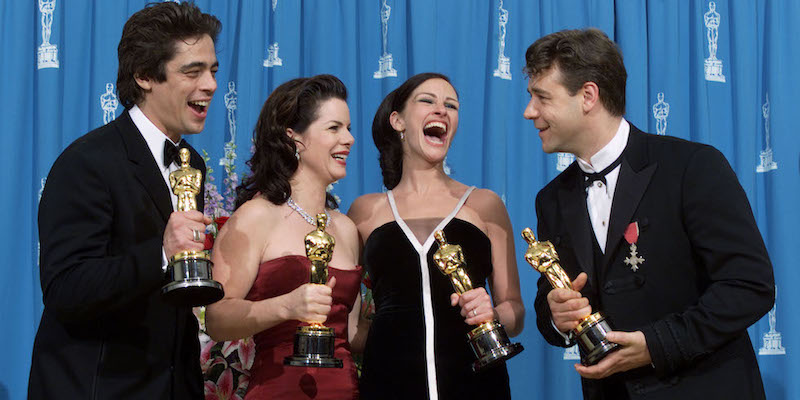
632 236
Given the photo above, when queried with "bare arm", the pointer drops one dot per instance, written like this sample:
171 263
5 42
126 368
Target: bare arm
476 306
504 283
358 327
362 214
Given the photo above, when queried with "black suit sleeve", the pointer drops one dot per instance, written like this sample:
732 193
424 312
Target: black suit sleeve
87 268
544 319
731 258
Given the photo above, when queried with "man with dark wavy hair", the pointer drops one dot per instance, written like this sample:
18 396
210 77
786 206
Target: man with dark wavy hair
656 232
107 225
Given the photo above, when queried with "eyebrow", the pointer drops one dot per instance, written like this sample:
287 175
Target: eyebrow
335 121
433 95
197 64
538 91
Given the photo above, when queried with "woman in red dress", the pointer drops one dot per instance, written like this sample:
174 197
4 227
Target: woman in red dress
302 140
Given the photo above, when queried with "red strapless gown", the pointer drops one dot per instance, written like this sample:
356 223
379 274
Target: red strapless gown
269 378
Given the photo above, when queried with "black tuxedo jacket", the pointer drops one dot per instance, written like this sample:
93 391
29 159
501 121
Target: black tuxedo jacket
706 275
105 332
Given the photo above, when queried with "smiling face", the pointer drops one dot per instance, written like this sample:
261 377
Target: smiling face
429 120
556 114
179 104
325 144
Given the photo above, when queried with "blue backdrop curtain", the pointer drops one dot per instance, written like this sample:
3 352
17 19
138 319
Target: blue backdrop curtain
730 83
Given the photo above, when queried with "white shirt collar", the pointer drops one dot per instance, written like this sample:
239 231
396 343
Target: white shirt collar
152 135
610 152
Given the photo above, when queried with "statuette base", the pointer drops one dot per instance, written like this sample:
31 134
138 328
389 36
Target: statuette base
190 283
313 347
490 344
591 337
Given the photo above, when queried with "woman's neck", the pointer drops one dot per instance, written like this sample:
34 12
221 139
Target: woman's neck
308 193
420 177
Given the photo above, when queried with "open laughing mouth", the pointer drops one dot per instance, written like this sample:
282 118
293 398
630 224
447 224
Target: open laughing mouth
435 132
199 107
341 157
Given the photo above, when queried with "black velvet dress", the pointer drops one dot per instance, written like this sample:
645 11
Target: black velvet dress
417 346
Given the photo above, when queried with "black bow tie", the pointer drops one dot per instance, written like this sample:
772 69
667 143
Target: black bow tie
171 154
591 177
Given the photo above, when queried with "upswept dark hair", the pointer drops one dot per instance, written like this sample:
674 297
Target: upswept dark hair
148 42
292 105
582 55
386 139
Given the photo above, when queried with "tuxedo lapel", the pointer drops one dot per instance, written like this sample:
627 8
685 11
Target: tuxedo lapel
634 176
576 218
144 166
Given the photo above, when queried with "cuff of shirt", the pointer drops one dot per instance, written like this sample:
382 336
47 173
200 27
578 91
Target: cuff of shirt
567 338
163 260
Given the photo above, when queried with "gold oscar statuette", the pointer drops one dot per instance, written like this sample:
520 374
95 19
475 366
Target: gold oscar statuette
591 330
189 272
314 343
488 340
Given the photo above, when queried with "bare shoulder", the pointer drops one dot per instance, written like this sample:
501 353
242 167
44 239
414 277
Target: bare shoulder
254 216
488 208
366 206
369 212
488 204
343 225
345 232
243 238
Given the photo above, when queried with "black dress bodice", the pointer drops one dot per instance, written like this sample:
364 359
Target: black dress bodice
417 338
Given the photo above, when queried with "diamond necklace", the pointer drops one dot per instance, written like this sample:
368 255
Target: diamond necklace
311 220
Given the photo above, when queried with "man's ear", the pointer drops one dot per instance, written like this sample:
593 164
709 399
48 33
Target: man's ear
144 82
591 96
397 122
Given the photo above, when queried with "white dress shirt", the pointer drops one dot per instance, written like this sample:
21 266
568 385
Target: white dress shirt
599 197
155 141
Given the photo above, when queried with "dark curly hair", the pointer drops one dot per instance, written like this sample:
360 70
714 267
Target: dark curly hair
292 105
148 43
582 55
386 139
